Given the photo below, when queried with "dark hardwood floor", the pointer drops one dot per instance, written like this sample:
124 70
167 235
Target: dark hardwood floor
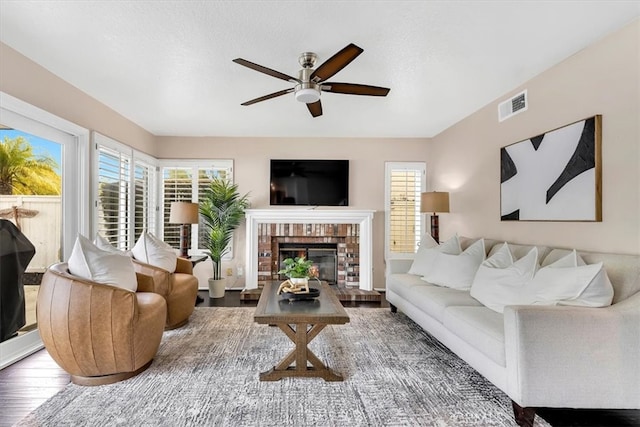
28 383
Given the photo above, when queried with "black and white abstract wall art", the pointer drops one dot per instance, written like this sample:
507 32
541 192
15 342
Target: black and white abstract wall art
555 176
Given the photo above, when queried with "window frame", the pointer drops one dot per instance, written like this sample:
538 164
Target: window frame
421 167
134 156
195 165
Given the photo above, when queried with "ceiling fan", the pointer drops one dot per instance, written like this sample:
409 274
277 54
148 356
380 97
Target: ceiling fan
310 83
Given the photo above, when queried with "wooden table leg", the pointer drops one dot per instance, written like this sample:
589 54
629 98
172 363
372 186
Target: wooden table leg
301 336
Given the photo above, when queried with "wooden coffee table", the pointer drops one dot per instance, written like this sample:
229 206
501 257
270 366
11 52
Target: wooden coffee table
301 321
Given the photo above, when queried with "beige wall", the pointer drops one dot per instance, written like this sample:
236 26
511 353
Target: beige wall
28 81
602 79
22 78
251 163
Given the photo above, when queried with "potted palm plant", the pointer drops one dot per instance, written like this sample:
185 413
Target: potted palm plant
222 209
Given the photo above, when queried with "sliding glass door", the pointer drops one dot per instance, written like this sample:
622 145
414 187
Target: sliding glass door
42 158
30 207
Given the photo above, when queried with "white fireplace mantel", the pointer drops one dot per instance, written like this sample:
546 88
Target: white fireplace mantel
364 218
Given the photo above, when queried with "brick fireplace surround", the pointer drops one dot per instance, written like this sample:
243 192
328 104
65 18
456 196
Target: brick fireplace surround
346 238
350 230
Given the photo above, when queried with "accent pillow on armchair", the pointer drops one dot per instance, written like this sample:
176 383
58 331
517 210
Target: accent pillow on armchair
91 263
151 250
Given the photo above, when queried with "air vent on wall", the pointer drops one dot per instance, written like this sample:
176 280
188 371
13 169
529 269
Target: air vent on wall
514 105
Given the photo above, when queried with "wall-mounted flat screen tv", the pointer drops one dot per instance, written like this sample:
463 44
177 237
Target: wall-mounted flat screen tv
310 182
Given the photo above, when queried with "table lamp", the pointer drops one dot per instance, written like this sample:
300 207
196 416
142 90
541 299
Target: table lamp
185 214
434 201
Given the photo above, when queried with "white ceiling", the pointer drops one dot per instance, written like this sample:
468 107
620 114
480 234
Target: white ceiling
167 65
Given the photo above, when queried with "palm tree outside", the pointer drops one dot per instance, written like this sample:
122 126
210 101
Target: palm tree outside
23 172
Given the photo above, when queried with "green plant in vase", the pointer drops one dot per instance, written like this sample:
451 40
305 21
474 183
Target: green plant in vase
299 270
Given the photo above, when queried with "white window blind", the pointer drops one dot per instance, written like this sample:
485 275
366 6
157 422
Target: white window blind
187 181
177 186
144 178
404 183
113 196
125 192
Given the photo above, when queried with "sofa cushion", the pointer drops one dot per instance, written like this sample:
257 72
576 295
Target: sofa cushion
480 327
151 250
429 298
570 281
428 251
91 263
434 300
501 281
400 283
456 271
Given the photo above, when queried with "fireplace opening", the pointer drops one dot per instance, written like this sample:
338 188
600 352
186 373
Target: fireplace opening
323 255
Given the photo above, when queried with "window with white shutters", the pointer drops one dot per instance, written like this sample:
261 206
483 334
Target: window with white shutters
125 192
404 182
113 196
144 178
187 181
177 186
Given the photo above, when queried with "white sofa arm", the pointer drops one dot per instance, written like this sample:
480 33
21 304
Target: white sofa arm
574 357
398 266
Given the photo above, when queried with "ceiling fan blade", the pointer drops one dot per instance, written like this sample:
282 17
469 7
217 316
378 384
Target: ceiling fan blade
271 95
315 108
354 89
265 70
336 63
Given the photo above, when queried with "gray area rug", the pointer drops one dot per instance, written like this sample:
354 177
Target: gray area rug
206 373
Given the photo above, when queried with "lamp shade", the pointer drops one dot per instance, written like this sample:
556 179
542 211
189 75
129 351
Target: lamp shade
434 201
183 213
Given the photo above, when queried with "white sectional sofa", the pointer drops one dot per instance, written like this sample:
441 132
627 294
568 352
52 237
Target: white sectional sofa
540 356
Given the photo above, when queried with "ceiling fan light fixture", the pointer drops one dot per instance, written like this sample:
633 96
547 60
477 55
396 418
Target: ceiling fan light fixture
312 81
307 95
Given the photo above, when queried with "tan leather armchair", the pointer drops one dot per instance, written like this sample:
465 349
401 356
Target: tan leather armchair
178 288
99 334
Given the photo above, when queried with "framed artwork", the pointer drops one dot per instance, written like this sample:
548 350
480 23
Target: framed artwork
556 176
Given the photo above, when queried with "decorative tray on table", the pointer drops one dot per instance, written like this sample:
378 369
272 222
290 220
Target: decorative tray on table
297 292
300 296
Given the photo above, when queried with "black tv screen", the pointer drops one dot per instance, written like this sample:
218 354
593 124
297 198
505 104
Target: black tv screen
310 182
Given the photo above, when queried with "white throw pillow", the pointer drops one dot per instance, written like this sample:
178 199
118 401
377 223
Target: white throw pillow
428 250
456 271
151 250
104 244
569 281
91 263
500 281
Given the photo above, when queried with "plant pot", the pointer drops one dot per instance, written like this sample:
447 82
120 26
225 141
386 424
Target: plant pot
301 282
216 288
